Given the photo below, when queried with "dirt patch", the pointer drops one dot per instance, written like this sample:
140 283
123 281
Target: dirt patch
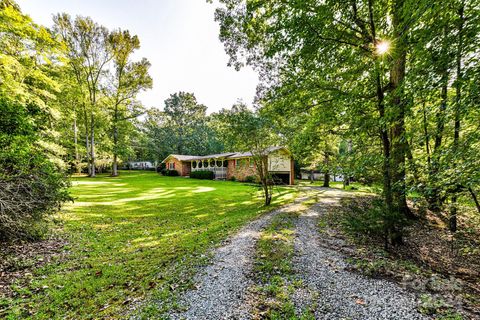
19 261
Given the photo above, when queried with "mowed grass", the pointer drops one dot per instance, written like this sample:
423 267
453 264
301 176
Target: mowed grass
130 236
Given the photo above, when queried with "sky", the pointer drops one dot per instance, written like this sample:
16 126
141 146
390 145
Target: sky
178 37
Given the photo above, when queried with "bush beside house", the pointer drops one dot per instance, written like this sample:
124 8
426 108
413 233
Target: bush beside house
202 174
169 173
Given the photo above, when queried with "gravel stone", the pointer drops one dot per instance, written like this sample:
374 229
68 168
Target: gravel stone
336 292
222 287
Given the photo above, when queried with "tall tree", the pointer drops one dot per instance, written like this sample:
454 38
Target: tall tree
250 132
89 51
352 55
128 79
183 127
32 177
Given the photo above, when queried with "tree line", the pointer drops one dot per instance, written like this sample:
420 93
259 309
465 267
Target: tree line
382 90
69 102
68 98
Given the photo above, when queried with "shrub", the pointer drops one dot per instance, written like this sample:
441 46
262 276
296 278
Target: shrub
31 185
173 173
369 217
161 167
233 178
202 174
251 179
364 217
170 173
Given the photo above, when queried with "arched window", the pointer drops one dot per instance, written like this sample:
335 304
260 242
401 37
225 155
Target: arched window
219 163
225 163
205 163
200 164
194 164
212 163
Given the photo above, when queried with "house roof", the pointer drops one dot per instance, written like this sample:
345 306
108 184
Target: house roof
228 155
249 154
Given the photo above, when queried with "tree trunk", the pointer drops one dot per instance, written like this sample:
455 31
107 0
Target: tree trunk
115 166
268 196
92 145
87 143
398 141
266 190
411 160
312 176
326 180
475 199
434 201
115 143
75 142
346 177
387 179
346 181
326 176
427 136
456 134
386 172
452 220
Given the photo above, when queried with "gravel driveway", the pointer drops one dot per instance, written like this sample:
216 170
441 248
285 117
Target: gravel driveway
222 286
336 292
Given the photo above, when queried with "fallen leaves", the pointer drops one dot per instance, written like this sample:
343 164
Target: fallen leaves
19 260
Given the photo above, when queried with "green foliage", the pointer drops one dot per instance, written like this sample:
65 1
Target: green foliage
406 118
251 179
369 218
431 305
32 181
31 185
202 174
250 131
127 81
169 173
88 46
27 53
182 128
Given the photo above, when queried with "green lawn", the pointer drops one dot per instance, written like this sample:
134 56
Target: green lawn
131 238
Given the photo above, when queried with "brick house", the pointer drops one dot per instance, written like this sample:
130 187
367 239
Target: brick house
234 164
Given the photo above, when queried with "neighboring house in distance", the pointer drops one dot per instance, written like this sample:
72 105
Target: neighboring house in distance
317 175
306 174
140 165
234 164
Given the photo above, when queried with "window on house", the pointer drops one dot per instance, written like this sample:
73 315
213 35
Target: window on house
171 165
237 163
251 162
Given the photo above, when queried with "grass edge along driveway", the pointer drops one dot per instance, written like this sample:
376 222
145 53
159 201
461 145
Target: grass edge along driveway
132 236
